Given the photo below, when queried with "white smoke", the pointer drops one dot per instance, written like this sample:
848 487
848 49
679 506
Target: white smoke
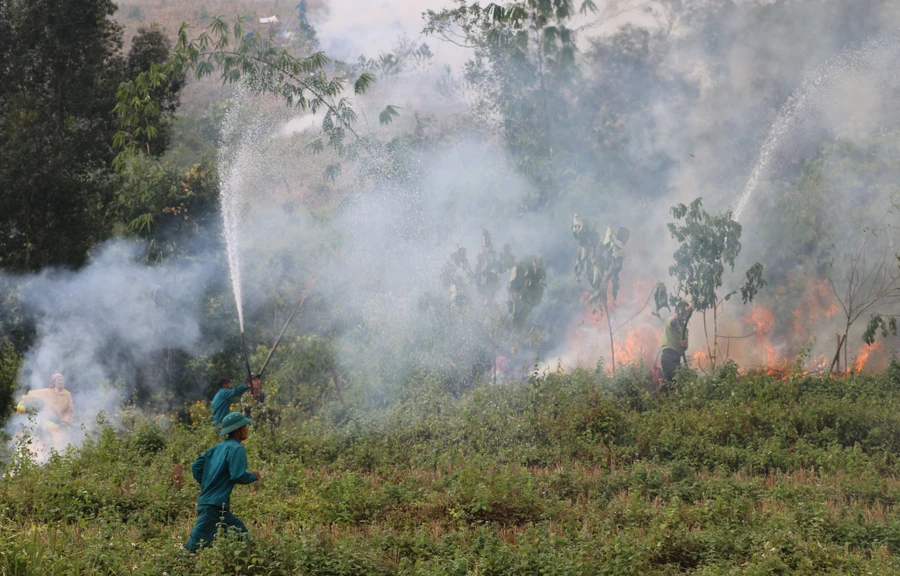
96 325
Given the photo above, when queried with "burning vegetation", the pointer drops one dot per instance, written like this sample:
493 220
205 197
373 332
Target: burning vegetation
763 337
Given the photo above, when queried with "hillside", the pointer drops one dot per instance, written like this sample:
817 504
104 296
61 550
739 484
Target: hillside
198 96
557 474
170 15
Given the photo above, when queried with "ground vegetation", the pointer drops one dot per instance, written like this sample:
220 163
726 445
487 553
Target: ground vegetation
578 473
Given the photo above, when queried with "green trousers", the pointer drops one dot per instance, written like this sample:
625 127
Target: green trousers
670 361
208 520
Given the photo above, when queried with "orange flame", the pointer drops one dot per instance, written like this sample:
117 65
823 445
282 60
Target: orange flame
638 345
778 332
700 358
862 357
763 322
818 304
636 341
820 363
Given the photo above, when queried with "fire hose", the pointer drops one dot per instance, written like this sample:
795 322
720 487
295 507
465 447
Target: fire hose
303 297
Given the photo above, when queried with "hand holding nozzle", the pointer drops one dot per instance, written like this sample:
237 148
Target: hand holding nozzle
255 387
26 407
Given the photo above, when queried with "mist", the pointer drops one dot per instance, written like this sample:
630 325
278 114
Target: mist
106 328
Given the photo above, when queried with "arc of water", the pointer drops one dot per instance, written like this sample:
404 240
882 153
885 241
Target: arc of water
796 106
230 186
780 128
235 160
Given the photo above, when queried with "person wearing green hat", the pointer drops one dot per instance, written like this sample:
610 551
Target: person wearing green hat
217 471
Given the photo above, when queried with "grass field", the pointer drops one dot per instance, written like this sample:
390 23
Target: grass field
559 474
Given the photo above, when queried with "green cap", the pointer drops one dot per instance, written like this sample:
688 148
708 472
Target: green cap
232 422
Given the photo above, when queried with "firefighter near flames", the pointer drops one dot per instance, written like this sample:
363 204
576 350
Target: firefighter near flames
708 246
675 342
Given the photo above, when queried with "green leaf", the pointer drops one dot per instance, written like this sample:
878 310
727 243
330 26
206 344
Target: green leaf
388 114
141 223
660 297
363 83
316 146
332 171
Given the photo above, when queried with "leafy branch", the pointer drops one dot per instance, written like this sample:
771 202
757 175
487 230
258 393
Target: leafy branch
870 281
524 292
303 82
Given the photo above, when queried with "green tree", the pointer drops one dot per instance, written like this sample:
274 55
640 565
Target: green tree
166 208
61 65
404 56
521 73
502 325
150 46
865 279
598 262
708 244
10 363
303 81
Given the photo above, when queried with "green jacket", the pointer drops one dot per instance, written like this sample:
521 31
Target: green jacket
672 335
218 470
221 404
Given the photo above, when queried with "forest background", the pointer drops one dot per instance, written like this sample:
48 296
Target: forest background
617 111
114 271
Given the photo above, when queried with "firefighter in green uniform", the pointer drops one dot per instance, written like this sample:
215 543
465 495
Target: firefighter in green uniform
675 343
221 404
217 471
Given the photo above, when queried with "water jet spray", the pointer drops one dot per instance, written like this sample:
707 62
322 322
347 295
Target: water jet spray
246 357
798 105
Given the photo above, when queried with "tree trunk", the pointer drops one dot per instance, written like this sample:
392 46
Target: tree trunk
612 345
494 356
837 356
846 359
715 355
337 384
836 362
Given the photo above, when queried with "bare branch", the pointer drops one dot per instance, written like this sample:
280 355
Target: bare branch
836 295
644 307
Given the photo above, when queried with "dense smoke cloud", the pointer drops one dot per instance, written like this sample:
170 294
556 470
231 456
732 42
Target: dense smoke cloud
741 62
383 248
723 71
102 325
